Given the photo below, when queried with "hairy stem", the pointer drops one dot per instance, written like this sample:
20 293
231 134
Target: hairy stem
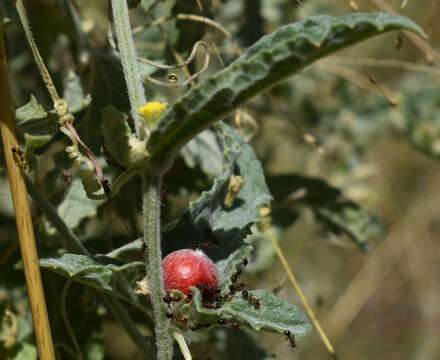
129 63
151 212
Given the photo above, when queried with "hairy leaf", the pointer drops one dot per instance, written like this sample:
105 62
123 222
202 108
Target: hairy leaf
32 110
101 272
38 127
23 351
116 134
208 220
204 151
227 268
74 93
270 60
76 206
329 204
274 314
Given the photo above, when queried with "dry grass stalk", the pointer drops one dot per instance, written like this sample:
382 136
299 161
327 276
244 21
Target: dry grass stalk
22 213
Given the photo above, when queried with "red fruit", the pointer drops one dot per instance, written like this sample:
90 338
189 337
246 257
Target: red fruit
185 268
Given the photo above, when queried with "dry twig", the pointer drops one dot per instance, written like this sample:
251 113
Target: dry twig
22 214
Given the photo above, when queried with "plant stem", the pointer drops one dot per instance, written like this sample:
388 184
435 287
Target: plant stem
22 212
151 212
129 63
73 243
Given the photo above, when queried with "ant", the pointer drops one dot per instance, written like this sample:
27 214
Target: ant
108 157
211 243
231 324
142 253
236 275
290 338
251 299
209 296
18 155
169 299
163 199
232 290
210 235
177 318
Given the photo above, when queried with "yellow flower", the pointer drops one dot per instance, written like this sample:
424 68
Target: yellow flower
152 111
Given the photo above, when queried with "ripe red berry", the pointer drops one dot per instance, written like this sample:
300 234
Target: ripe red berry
185 268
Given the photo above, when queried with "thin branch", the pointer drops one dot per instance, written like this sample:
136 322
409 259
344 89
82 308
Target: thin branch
37 57
300 293
388 63
379 264
192 17
78 354
73 243
180 65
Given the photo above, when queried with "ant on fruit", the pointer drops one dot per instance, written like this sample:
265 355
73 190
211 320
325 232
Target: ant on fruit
177 318
210 296
291 338
169 299
251 299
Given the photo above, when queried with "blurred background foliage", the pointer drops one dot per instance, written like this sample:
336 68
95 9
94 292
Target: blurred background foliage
358 131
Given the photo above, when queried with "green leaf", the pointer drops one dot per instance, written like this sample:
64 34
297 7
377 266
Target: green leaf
101 272
38 127
329 205
74 93
24 351
128 251
204 151
33 142
32 110
76 206
271 59
264 253
228 224
274 314
228 267
116 133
